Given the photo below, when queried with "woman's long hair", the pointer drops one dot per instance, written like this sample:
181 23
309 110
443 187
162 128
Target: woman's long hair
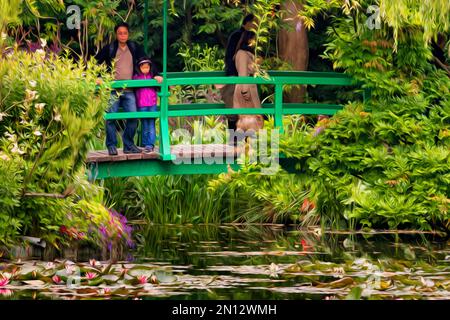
244 42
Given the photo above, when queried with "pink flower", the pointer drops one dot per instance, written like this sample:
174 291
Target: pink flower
3 281
142 279
6 292
70 268
56 279
94 263
153 279
90 275
105 291
318 131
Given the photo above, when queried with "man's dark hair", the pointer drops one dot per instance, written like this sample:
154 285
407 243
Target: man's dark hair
248 18
122 24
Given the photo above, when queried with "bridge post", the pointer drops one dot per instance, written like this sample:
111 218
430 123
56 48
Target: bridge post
164 119
146 26
279 107
367 95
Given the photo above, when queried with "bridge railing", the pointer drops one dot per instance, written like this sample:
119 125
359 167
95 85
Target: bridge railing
278 109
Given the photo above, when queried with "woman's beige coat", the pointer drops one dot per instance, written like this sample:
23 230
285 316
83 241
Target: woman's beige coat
245 95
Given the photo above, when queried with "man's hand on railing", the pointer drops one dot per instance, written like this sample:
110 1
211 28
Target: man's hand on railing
159 79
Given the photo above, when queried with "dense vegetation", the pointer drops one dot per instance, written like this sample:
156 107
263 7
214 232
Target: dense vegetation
383 164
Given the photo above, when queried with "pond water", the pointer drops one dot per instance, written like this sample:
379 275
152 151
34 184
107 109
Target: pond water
246 262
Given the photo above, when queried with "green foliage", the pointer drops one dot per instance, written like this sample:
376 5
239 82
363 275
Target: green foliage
202 58
167 199
9 194
50 108
387 168
254 198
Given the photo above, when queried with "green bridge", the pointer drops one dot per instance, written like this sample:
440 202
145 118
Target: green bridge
176 159
164 160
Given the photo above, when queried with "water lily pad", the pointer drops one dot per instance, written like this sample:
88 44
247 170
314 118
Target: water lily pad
141 272
341 283
110 278
355 294
164 277
34 282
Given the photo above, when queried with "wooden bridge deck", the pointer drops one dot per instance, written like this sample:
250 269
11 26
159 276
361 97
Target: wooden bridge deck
180 151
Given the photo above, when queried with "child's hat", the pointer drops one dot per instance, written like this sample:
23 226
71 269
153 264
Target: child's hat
144 60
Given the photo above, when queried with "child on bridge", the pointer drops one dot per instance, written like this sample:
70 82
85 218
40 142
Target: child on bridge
146 99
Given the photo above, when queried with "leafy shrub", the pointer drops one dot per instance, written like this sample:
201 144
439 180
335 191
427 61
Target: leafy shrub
50 110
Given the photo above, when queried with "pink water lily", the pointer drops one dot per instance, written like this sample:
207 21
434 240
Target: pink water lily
142 279
70 268
153 279
56 279
105 291
3 281
94 263
91 275
6 292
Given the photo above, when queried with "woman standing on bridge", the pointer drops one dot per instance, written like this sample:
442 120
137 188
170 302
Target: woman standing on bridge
246 95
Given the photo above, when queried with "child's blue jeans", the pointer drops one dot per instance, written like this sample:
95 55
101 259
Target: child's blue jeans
148 128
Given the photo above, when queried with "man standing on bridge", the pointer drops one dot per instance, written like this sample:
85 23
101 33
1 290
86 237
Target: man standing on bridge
125 53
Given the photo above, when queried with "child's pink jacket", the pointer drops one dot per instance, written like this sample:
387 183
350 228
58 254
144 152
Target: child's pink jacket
145 97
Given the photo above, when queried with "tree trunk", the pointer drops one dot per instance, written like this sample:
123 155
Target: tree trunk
293 45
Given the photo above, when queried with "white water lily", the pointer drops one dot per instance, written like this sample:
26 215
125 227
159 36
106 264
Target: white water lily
274 270
2 114
43 43
427 282
37 133
339 270
32 83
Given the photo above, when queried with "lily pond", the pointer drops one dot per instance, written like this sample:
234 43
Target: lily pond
245 262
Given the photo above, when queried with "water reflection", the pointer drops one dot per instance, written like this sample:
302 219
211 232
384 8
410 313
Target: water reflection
253 262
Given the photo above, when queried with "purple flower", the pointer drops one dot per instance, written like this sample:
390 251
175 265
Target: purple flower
318 131
103 231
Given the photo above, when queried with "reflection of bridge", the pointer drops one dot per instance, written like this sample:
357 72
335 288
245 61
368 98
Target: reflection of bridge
162 161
